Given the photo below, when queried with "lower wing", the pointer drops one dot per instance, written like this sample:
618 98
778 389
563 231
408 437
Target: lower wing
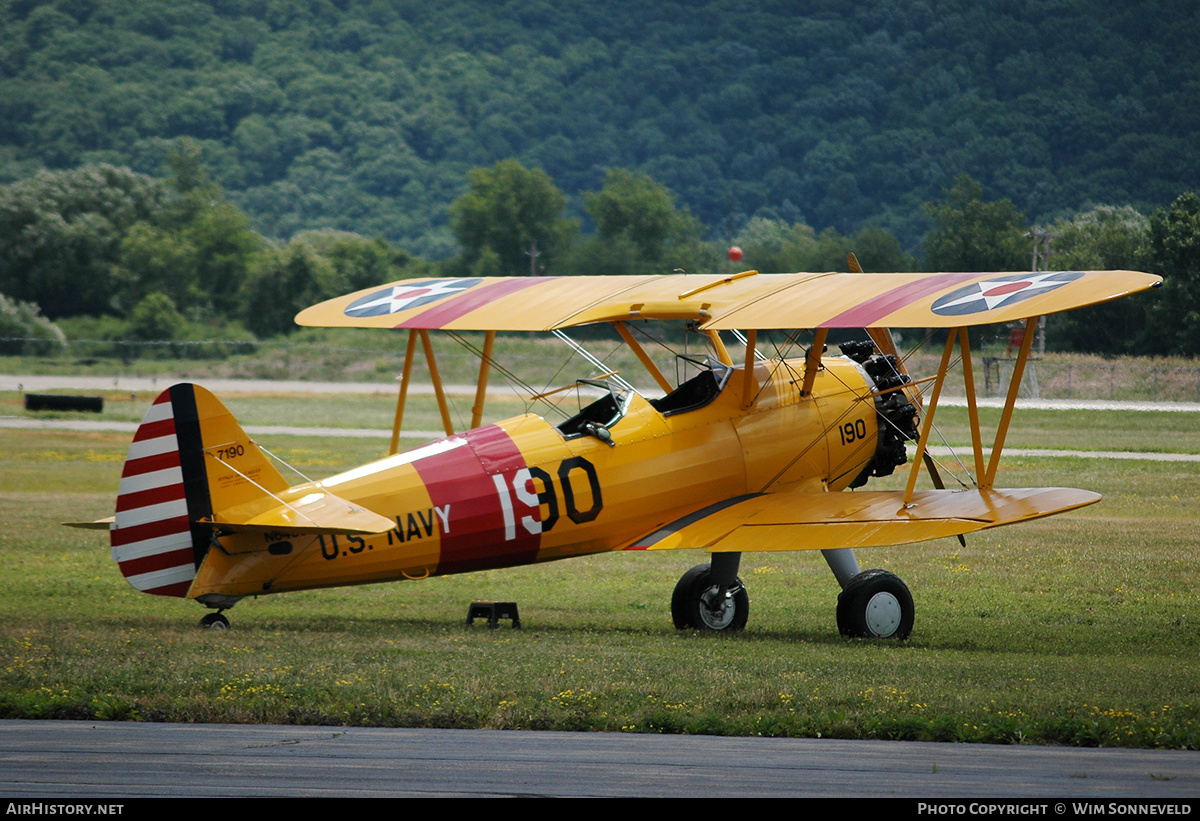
820 521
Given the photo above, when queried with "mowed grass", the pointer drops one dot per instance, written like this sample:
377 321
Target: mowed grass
1077 629
1087 430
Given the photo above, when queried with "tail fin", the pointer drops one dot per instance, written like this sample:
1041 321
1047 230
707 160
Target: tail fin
169 488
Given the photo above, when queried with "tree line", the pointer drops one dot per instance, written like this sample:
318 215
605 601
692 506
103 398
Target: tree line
102 252
368 116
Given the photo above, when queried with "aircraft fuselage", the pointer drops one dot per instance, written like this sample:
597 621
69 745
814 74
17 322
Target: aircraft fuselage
521 491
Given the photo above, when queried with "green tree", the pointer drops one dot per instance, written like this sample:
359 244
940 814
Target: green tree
216 230
807 250
355 262
506 210
225 248
633 206
1173 325
639 230
153 259
773 245
155 319
1103 238
878 249
971 235
100 239
197 248
762 240
61 233
284 282
24 330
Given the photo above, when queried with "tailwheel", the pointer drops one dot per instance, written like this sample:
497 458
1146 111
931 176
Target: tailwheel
700 603
215 621
875 604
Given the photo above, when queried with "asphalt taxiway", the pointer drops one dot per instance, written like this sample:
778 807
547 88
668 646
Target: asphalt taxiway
114 760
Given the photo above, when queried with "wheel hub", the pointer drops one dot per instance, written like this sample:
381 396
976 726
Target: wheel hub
883 614
716 613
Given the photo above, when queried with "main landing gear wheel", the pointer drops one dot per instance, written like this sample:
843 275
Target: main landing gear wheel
215 621
875 605
699 603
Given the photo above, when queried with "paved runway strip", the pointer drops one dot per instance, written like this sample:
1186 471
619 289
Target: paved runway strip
42 759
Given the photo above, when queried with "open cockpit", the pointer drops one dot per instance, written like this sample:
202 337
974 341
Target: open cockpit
695 391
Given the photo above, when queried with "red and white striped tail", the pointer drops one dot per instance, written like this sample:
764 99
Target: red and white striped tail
151 535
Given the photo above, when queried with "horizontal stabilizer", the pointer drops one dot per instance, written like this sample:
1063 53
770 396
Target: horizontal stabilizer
99 524
821 521
316 512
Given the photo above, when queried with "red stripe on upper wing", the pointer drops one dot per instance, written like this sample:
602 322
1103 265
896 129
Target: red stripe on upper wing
867 314
459 306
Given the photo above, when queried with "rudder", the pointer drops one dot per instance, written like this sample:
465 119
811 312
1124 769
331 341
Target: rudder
179 466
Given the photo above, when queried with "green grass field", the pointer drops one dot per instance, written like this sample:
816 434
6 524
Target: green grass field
1080 629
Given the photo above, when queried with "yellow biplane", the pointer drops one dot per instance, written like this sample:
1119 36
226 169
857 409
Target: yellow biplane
742 453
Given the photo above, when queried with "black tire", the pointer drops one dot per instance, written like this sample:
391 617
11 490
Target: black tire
690 603
876 604
214 621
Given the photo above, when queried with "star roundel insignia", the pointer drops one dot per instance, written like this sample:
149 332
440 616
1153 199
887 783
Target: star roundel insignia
999 292
401 297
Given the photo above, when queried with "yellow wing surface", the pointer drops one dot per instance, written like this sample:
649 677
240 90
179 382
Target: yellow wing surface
786 520
745 300
819 521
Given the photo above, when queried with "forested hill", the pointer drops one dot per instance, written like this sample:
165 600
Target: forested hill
367 116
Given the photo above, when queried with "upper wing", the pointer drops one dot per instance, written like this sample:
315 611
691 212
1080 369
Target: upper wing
746 300
820 521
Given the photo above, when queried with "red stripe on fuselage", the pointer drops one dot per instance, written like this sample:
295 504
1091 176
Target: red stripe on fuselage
462 480
462 304
867 314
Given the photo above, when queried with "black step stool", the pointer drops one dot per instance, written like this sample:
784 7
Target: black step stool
494 610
